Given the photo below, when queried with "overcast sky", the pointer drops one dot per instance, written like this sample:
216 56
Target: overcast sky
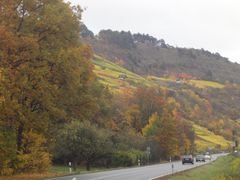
210 24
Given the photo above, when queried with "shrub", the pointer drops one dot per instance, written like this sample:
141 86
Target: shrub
128 158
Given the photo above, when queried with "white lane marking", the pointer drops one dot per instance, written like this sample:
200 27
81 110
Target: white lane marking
114 175
74 178
165 174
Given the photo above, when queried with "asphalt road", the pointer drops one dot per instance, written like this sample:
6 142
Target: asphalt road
138 173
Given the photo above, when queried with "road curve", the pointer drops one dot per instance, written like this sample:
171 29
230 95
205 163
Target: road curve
138 173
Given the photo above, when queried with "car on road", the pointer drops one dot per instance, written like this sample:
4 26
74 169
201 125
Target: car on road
207 157
200 158
187 159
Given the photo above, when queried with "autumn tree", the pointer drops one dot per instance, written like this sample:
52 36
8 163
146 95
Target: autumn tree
149 101
45 78
162 129
167 131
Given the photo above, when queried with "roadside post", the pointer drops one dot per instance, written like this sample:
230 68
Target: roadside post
138 162
172 169
70 167
148 151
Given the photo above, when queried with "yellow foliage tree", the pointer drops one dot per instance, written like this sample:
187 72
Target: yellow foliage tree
33 156
151 128
162 129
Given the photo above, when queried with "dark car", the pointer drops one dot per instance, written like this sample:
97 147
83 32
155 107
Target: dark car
200 158
187 159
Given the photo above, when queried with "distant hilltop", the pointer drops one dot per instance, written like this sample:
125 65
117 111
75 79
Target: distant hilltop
147 55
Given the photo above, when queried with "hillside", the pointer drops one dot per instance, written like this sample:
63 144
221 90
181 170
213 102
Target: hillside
146 55
111 74
205 84
108 74
206 139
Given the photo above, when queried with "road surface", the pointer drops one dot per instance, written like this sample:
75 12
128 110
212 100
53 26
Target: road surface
138 173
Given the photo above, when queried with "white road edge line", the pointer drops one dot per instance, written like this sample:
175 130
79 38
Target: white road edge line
179 171
160 176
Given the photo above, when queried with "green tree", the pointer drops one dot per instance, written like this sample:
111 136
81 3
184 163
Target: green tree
80 142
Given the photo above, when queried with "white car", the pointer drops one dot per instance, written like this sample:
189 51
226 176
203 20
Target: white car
207 157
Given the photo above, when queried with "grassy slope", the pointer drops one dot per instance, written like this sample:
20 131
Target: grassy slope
215 170
108 73
206 139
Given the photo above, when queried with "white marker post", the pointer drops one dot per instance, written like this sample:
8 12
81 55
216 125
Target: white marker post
70 167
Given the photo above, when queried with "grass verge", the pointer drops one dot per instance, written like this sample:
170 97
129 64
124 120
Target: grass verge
54 171
36 176
221 169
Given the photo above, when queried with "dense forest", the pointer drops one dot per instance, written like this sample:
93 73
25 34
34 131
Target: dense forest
54 110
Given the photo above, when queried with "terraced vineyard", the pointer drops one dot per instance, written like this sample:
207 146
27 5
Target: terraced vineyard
205 84
206 139
195 83
117 77
110 74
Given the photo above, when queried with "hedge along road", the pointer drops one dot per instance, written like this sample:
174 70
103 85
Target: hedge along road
139 173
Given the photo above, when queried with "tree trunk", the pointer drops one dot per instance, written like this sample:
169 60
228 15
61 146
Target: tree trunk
88 165
74 165
19 136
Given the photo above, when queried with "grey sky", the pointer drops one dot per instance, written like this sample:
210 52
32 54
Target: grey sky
210 24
